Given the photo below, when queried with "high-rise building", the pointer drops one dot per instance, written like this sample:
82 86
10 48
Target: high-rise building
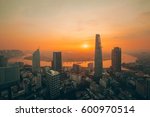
36 61
98 59
3 61
143 87
53 83
148 89
116 59
57 61
9 75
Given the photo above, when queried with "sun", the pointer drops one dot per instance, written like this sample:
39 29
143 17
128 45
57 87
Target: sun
85 46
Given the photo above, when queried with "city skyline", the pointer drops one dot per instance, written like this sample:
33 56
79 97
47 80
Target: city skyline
70 25
120 81
74 50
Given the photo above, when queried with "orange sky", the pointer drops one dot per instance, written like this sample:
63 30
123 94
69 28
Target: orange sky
69 24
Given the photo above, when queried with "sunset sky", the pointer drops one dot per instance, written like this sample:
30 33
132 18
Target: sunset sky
72 24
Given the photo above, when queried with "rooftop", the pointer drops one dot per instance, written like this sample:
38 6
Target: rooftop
52 72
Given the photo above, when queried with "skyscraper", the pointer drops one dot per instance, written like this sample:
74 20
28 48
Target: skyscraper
3 61
53 83
57 61
9 75
116 59
36 61
98 59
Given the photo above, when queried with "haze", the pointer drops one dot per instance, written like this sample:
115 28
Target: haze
72 24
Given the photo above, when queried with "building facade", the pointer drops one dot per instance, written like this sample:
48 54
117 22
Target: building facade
53 83
116 59
143 87
3 61
36 61
9 75
57 61
98 65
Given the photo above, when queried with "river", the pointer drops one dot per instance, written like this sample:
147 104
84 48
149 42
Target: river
106 63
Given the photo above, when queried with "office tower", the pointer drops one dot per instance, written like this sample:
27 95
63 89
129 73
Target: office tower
143 87
98 59
116 59
53 83
76 68
9 75
36 61
57 61
3 61
148 89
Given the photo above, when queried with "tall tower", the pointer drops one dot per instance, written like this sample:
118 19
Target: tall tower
53 83
98 59
116 59
57 61
36 61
